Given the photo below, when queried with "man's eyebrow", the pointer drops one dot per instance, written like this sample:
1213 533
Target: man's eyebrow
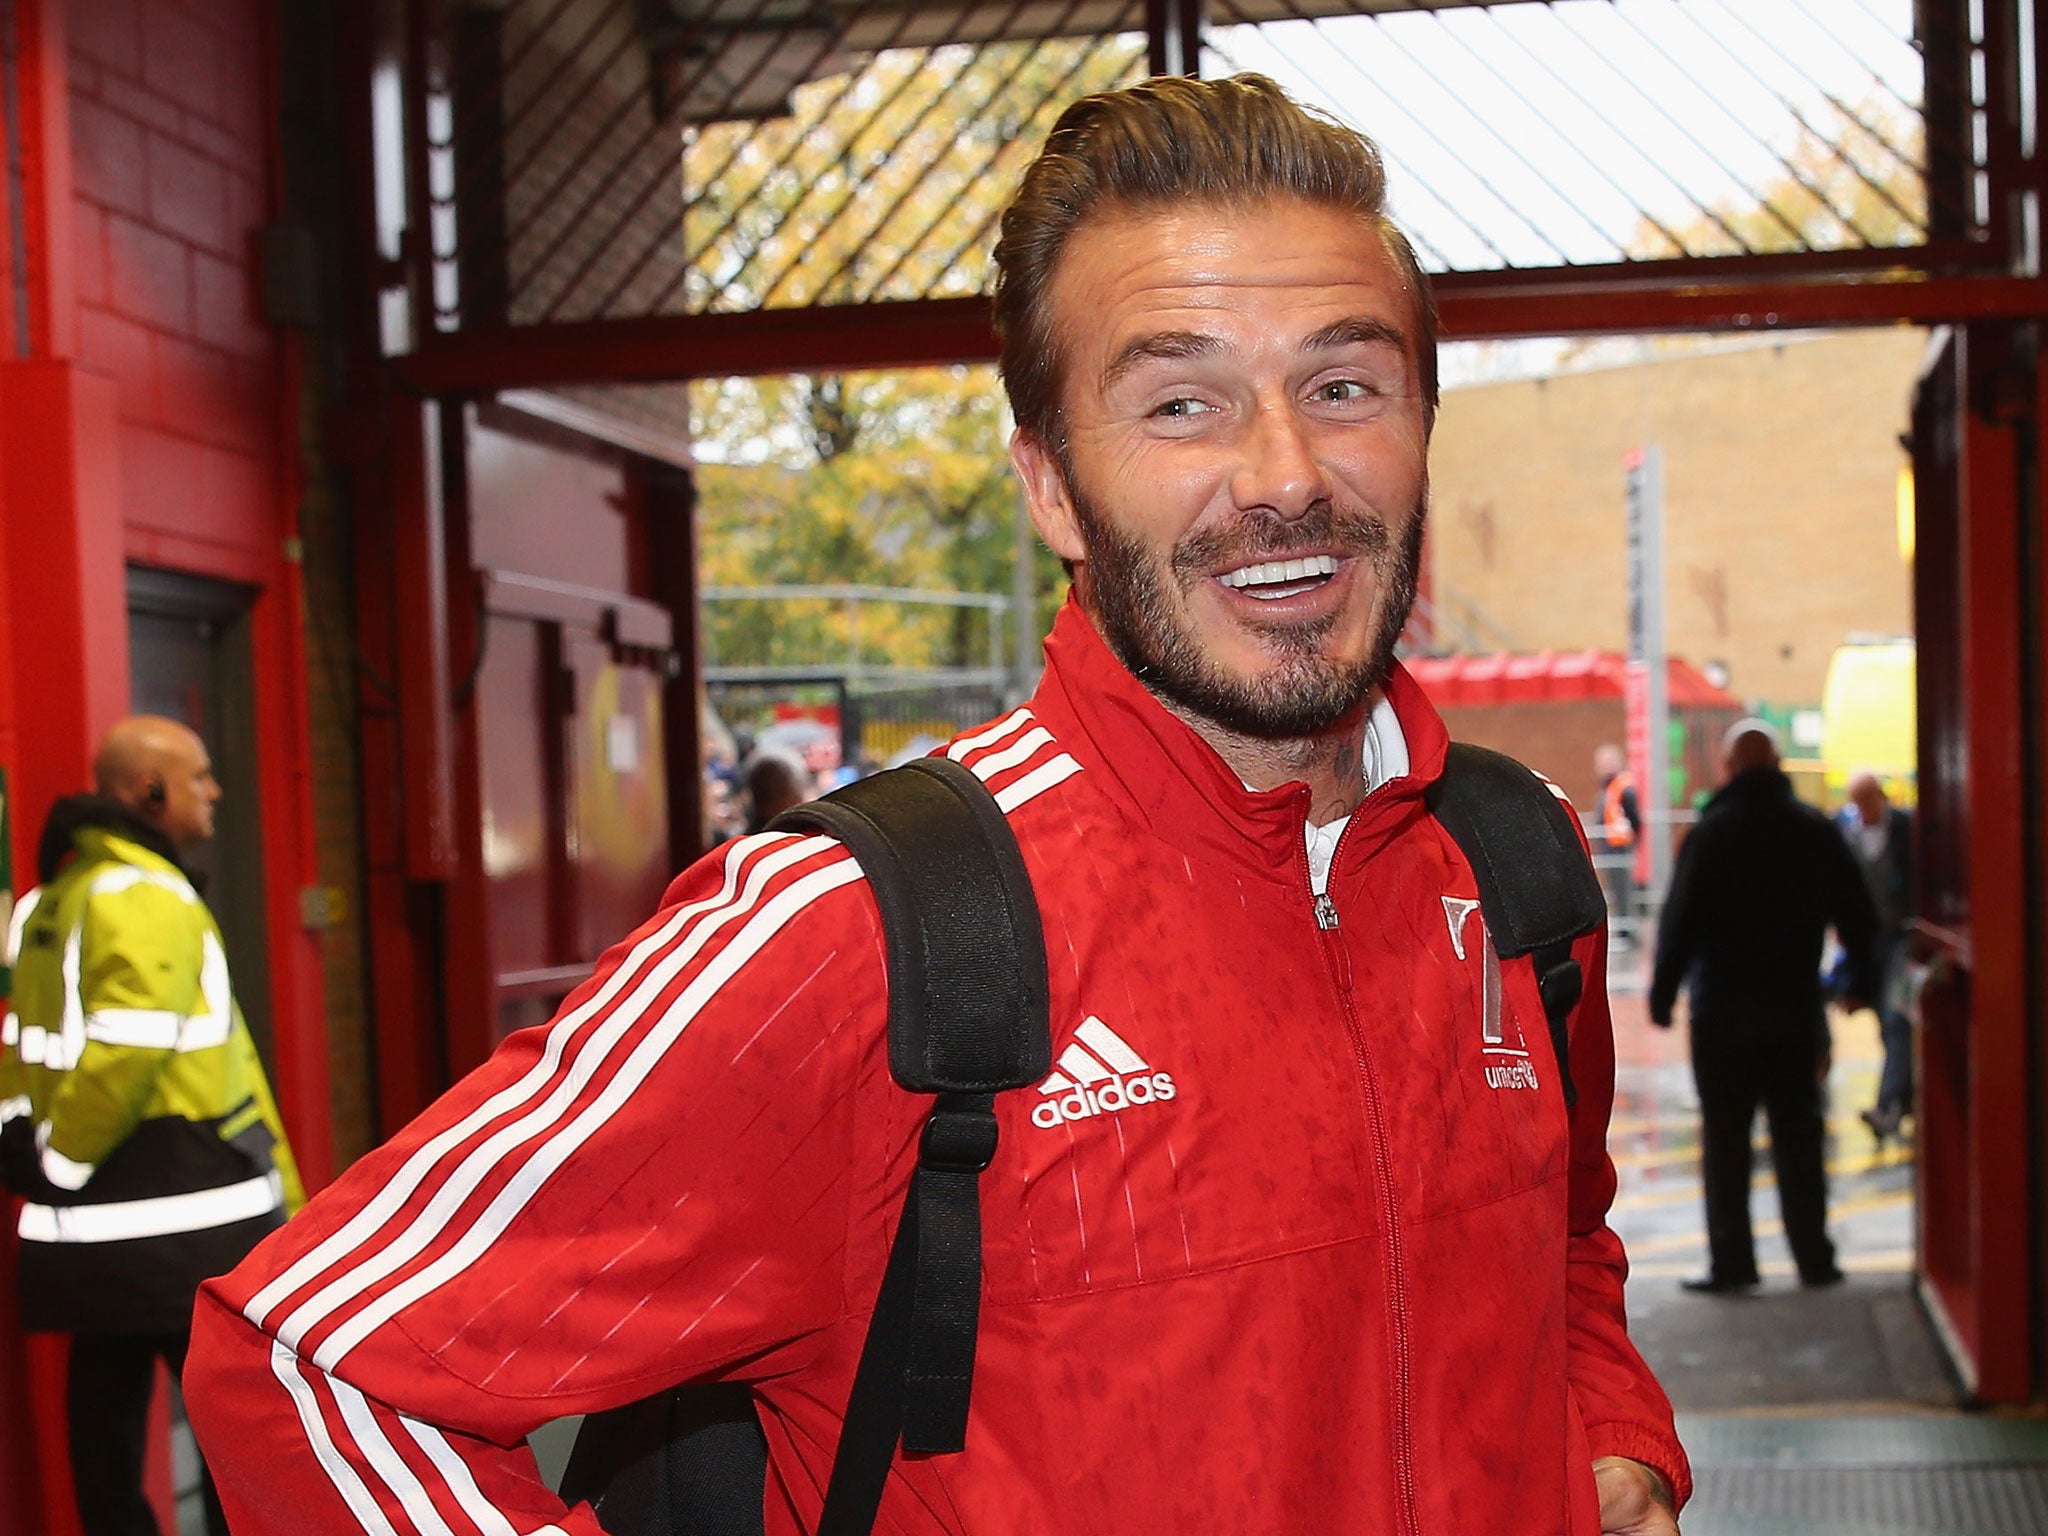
1355 330
1164 345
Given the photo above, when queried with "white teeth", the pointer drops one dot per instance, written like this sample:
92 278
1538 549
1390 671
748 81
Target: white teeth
1273 571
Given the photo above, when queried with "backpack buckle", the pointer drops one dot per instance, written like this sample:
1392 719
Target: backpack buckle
958 1140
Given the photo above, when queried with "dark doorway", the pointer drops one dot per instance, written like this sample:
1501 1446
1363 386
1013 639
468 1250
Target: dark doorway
190 658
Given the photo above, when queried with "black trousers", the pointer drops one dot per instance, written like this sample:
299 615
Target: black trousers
107 1410
1737 1072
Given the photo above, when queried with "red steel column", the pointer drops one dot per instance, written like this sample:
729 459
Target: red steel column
66 607
1993 637
1979 1220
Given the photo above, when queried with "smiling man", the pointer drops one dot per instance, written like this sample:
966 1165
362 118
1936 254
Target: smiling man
1235 468
1299 1235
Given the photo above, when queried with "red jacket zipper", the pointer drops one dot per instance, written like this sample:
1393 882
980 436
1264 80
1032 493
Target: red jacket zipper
1328 932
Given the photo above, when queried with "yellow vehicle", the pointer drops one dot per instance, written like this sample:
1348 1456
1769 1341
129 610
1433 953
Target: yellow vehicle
1868 720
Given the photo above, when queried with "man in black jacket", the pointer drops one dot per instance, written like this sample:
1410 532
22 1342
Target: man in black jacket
1759 882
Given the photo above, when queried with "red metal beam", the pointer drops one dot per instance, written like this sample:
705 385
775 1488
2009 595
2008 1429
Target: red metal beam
836 338
1934 258
424 671
825 339
1472 312
1474 307
1994 633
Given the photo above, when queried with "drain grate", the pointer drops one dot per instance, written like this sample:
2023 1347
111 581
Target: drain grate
1883 1501
1866 1475
1865 1440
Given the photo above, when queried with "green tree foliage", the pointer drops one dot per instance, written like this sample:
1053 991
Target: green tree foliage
884 181
888 479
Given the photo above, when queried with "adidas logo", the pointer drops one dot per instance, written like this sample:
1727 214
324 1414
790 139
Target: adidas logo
1098 1075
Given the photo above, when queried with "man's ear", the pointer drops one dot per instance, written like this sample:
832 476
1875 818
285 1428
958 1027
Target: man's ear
1046 496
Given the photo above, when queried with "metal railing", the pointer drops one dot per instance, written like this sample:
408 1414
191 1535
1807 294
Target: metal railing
855 641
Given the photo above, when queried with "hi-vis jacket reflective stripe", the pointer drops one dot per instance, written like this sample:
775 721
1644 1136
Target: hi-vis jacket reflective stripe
1298 1236
152 1120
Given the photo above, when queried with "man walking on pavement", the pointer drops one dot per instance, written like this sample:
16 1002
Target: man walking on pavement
1305 1256
136 1119
1880 836
1760 880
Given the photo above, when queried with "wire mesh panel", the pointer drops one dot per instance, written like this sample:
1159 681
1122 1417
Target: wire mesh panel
613 158
618 159
1595 131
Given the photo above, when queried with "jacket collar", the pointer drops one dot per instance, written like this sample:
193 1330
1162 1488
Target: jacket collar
96 827
1164 776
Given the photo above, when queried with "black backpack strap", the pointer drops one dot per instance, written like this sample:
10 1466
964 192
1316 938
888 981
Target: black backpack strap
967 988
968 1017
1537 888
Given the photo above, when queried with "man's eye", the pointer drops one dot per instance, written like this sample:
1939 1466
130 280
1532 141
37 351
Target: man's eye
1344 389
1180 409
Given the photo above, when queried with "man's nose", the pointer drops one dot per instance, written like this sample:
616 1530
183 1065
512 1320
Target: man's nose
1279 471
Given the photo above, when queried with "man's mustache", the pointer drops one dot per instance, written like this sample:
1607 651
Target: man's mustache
1321 529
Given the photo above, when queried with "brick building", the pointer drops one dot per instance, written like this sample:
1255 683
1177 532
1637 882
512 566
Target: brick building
1781 464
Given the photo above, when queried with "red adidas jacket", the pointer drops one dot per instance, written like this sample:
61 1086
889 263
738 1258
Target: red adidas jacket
1291 1241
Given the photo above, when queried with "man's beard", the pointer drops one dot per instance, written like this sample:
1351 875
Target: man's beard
1306 692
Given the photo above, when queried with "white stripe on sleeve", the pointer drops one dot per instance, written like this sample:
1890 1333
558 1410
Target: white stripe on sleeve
488 1517
559 1147
369 1436
285 1366
362 1227
1037 781
1015 753
996 732
539 1120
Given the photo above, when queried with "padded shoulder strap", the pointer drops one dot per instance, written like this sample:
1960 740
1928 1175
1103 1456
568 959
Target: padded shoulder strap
968 1017
967 984
1536 884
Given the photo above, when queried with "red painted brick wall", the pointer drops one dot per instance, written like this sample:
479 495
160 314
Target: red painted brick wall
170 143
172 171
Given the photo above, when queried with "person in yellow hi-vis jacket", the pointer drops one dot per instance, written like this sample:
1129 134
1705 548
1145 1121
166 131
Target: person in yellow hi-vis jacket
135 1119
